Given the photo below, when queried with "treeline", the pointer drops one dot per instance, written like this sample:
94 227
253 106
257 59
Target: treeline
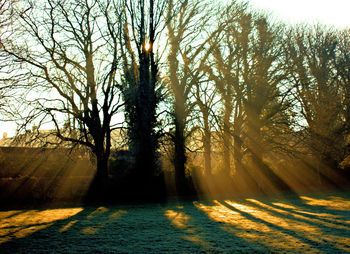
216 92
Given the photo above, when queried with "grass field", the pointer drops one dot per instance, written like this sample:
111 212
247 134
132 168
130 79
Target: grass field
310 223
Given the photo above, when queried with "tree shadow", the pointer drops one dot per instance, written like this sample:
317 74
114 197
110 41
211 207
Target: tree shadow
287 227
311 218
129 228
209 235
181 227
305 213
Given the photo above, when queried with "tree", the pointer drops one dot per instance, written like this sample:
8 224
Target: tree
266 97
142 21
320 74
224 70
205 95
6 74
343 74
248 73
184 60
69 53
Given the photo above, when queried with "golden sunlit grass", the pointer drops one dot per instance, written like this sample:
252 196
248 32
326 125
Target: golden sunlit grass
182 221
95 227
178 219
298 214
305 224
274 227
249 229
69 225
335 203
16 224
97 212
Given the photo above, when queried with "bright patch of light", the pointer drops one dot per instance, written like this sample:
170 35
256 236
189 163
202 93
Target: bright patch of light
19 224
147 46
9 128
334 13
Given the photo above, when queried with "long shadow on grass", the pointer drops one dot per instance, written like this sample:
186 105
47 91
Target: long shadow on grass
302 217
331 227
273 226
15 213
34 239
136 229
334 230
150 228
196 227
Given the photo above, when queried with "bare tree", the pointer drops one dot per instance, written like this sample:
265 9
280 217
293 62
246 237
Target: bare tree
266 101
7 15
206 99
69 53
248 73
343 75
320 62
187 52
224 69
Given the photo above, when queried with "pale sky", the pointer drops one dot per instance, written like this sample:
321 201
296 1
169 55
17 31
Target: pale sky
329 12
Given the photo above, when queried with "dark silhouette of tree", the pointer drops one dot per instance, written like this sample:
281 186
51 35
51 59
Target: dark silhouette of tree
69 53
143 21
242 82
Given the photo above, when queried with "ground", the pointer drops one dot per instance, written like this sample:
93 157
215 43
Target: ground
308 223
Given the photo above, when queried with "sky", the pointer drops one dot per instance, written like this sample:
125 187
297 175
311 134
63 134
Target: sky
330 12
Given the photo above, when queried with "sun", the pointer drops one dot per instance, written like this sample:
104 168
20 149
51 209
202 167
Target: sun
147 46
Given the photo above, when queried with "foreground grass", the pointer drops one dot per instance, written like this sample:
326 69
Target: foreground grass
310 223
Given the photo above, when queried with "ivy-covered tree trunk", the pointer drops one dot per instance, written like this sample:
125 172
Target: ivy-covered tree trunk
146 141
141 96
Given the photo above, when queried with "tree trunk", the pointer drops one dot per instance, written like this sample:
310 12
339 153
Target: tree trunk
207 144
99 185
237 149
102 170
179 163
227 138
180 152
143 134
